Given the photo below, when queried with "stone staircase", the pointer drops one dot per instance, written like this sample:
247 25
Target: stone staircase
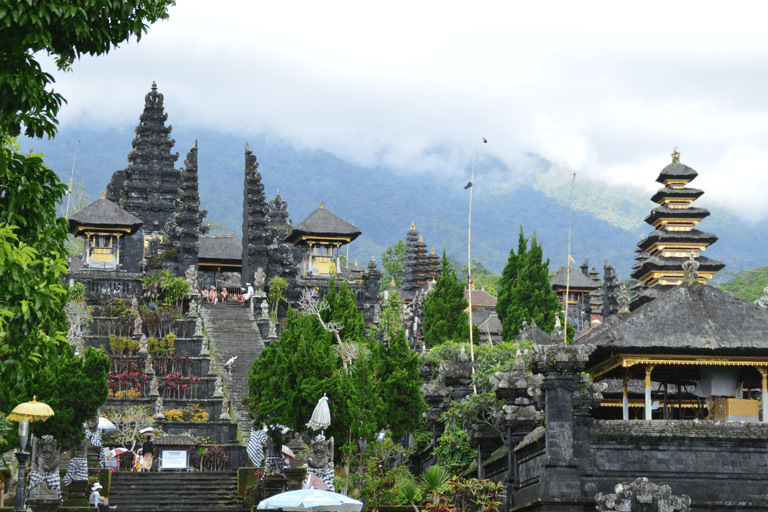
175 491
233 332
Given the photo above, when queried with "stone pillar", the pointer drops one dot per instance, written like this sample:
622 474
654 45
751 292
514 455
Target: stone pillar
648 411
625 398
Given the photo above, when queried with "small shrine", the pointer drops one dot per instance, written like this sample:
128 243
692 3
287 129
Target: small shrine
103 225
320 236
579 287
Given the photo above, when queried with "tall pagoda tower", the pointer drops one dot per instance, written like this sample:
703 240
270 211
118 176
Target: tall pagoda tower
675 238
255 209
420 267
149 187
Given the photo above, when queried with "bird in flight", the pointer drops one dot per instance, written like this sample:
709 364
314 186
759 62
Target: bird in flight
468 185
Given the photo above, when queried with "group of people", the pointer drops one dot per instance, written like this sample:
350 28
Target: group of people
210 295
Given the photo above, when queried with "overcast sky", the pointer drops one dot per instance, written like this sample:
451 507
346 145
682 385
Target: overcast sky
607 89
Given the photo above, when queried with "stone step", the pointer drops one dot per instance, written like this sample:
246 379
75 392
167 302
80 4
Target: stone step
175 491
233 331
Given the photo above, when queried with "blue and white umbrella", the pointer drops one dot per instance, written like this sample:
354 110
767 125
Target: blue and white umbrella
313 500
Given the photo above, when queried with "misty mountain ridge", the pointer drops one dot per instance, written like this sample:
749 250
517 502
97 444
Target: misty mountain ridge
607 220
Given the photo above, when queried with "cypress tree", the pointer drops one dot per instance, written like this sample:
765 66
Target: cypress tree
445 316
531 296
507 282
343 309
397 370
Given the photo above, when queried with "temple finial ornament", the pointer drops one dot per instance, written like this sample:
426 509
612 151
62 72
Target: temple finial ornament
154 85
413 226
675 156
690 270
322 204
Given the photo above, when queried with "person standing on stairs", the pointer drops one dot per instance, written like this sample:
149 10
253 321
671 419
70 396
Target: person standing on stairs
230 365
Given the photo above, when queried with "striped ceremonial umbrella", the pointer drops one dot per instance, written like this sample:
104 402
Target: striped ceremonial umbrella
313 500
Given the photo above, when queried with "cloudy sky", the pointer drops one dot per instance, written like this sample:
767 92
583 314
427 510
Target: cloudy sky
607 89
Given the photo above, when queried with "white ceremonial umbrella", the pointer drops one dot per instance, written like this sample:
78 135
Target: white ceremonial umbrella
105 424
321 416
311 500
288 452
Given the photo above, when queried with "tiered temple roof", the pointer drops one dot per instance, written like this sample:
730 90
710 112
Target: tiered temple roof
675 238
148 187
420 267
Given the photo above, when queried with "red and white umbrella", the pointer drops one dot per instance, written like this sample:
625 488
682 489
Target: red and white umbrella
118 451
288 452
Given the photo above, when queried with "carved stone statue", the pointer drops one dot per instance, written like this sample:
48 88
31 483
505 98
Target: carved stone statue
143 344
204 352
191 275
259 281
137 322
264 310
272 331
690 270
153 387
763 301
44 479
198 327
159 409
623 300
217 392
642 495
321 455
224 410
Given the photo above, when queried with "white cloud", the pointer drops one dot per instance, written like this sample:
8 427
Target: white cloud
605 88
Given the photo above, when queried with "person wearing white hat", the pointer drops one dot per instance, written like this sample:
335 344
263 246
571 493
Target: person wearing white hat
248 294
94 498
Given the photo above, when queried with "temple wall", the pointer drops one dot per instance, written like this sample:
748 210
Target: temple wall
713 462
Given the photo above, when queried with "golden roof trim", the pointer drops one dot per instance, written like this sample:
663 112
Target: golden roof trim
630 360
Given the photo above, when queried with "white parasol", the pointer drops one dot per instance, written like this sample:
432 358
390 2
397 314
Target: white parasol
321 416
311 499
288 452
105 424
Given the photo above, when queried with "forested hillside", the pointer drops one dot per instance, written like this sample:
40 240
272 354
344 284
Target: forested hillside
748 284
382 202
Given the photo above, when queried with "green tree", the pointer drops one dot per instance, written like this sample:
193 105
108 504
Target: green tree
65 29
74 386
393 261
342 309
445 315
531 297
290 376
32 241
400 381
507 282
391 321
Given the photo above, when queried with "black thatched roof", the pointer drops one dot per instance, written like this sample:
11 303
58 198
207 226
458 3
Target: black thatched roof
535 334
670 263
665 212
220 248
691 193
676 171
323 224
103 214
578 280
688 319
694 235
